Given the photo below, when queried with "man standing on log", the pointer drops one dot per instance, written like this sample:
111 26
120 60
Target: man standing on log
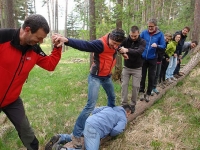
104 59
154 40
133 46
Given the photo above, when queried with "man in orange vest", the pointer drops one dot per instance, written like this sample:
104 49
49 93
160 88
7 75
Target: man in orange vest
104 59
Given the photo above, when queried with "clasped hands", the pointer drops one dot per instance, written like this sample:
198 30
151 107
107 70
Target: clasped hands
123 51
58 40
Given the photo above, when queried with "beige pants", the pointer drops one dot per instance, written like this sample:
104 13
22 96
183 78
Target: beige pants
136 75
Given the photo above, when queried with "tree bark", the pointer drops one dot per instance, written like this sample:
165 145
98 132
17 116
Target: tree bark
92 20
196 27
118 67
9 14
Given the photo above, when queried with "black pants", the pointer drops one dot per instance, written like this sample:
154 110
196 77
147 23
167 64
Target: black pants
178 67
164 66
150 66
16 114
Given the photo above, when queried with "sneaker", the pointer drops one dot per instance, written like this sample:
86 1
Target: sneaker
76 141
173 78
155 91
169 80
142 96
147 99
132 109
52 144
152 93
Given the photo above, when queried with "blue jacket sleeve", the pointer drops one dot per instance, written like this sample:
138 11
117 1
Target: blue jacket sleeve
120 126
162 42
87 46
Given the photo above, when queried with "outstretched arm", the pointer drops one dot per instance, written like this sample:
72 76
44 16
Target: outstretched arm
82 45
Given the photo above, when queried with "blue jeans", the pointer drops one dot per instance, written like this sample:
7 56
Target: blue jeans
91 138
94 83
171 67
65 138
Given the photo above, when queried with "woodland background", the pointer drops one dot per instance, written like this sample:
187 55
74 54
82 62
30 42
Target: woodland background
90 19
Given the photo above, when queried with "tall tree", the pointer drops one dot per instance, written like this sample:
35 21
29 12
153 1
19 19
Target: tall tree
118 66
196 27
65 29
9 14
92 24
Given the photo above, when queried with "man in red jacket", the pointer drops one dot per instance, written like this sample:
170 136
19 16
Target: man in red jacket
19 52
104 59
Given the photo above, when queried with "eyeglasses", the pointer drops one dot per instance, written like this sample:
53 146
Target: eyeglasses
150 26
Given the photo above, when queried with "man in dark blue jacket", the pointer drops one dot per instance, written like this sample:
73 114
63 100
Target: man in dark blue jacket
104 121
154 40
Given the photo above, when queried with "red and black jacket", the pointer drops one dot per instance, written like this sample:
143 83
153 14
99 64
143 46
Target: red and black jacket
16 62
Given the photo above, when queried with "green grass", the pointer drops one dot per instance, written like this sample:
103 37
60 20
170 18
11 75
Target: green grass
53 101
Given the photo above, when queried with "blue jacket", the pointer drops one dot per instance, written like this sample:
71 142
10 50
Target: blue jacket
108 120
158 38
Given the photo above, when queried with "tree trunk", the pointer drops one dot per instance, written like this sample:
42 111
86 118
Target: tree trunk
9 14
2 13
53 15
118 67
56 16
92 20
65 28
48 12
196 28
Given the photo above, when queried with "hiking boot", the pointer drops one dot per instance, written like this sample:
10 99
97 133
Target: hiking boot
147 99
76 141
132 109
142 96
173 78
155 91
53 143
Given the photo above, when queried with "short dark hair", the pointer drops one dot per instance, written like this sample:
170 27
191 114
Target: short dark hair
134 29
36 22
153 20
117 35
188 28
195 42
127 108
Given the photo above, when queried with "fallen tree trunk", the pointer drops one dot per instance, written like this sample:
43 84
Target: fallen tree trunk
142 105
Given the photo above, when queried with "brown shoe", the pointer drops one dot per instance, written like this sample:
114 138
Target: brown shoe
76 141
177 76
180 73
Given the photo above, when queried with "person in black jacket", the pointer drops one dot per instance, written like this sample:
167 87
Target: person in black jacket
179 47
133 46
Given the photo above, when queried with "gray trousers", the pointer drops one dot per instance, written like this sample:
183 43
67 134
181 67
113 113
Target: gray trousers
136 75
